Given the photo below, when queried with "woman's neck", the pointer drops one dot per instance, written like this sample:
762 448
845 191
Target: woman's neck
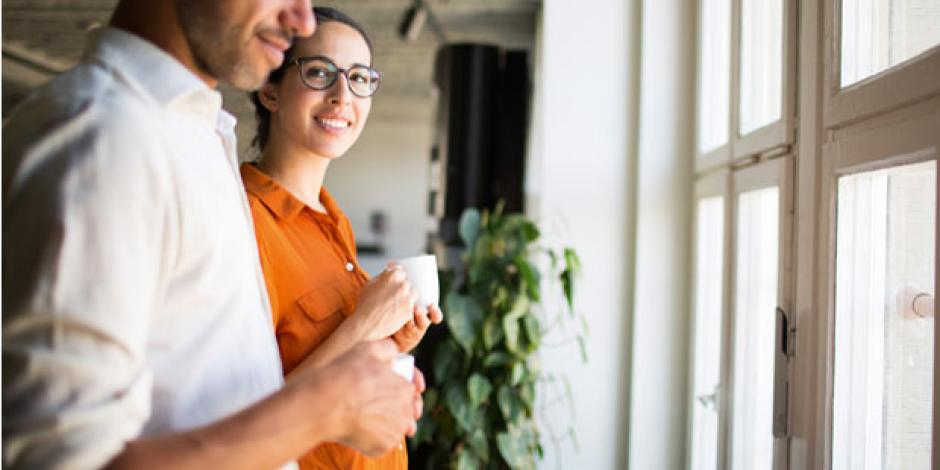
300 173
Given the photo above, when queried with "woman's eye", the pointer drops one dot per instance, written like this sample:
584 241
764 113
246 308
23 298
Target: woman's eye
317 72
359 78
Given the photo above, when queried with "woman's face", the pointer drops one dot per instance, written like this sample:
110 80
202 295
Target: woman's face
323 122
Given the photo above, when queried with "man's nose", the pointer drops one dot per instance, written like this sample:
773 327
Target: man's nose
299 18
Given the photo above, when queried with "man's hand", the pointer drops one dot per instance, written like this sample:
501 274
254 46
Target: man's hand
385 304
373 407
409 335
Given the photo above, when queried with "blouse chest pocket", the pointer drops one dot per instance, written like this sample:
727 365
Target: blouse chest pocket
324 301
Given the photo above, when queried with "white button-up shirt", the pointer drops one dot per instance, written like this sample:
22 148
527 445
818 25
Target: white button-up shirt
133 302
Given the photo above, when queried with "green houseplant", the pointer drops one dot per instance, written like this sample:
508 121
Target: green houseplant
480 404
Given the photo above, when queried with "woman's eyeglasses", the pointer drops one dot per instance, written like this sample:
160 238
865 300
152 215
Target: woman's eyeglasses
320 73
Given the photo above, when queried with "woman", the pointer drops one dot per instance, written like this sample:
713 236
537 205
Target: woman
311 111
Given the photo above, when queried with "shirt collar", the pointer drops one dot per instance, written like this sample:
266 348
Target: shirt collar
278 199
155 72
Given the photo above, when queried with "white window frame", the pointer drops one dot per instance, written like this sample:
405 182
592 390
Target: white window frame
901 137
762 158
721 156
777 171
889 119
717 183
773 138
903 84
886 120
777 136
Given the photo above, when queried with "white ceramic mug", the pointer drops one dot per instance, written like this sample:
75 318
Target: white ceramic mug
422 277
404 365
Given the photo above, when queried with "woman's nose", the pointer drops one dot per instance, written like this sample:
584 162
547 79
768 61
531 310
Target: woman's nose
339 93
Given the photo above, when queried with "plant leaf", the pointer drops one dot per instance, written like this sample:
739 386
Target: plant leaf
466 460
568 288
511 330
572 262
533 367
527 395
519 307
533 330
529 231
512 447
518 372
478 389
492 331
469 226
446 357
497 359
459 406
531 277
463 319
479 444
425 431
508 404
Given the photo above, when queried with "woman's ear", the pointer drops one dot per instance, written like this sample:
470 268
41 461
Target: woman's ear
268 96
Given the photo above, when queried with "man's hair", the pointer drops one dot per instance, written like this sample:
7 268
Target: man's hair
322 15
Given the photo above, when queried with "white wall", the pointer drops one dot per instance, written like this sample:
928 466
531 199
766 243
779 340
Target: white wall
659 393
386 170
580 175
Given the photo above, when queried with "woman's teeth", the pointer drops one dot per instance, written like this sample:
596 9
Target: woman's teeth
334 123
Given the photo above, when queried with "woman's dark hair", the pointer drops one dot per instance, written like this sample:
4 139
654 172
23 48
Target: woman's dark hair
322 15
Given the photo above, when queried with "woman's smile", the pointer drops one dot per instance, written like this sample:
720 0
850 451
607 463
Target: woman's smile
333 124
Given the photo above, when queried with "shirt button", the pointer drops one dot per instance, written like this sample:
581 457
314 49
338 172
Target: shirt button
349 267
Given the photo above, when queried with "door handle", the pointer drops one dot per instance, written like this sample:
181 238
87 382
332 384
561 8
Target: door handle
710 400
785 349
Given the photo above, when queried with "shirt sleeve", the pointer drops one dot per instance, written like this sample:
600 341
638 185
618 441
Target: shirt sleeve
262 224
86 241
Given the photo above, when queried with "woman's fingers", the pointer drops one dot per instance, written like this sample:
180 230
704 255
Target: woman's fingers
421 320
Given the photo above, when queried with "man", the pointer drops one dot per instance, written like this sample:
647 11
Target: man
136 328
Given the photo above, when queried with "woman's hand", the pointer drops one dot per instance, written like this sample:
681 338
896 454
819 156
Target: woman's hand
385 304
411 333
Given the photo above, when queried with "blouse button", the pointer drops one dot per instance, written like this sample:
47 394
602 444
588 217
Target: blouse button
349 267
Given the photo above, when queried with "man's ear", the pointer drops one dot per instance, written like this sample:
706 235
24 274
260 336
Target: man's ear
268 96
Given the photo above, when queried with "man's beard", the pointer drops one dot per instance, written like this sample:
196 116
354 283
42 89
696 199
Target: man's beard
218 52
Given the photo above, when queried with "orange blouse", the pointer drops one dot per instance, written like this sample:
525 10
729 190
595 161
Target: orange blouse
314 281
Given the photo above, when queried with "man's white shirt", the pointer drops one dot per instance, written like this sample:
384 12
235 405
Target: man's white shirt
133 300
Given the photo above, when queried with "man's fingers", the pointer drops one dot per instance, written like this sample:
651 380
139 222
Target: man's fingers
418 380
384 349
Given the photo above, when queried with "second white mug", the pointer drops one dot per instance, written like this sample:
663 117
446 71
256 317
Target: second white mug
422 276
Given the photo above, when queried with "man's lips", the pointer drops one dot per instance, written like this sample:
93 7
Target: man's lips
277 39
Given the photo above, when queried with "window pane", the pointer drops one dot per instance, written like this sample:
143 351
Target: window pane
714 84
761 63
754 317
883 383
878 34
709 248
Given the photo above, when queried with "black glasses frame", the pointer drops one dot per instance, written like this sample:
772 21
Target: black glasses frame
300 61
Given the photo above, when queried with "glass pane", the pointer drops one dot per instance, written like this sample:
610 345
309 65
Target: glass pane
883 383
761 63
878 34
709 249
715 82
754 317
